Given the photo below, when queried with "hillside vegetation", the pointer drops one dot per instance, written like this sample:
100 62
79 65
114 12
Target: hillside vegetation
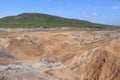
37 20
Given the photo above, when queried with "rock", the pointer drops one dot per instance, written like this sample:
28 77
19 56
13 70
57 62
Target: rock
67 55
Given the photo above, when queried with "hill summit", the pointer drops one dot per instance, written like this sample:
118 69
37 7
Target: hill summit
38 20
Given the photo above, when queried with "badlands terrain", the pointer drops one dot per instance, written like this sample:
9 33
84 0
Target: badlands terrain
59 55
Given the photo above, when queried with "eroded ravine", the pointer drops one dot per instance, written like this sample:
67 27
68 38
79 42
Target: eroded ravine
67 55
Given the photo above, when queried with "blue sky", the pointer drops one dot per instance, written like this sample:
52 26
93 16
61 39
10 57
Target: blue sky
98 11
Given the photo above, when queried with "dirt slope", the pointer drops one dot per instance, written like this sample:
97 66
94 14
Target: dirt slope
67 55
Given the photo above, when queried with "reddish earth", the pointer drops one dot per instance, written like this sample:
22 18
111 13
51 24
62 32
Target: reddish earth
60 55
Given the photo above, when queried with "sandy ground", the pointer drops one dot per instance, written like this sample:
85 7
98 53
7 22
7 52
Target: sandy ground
59 55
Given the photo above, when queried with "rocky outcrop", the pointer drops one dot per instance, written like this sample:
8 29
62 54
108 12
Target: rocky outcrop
23 71
70 55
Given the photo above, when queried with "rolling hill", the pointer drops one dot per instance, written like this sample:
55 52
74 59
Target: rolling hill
37 20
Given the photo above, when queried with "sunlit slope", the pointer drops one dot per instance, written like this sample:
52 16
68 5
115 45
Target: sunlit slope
37 20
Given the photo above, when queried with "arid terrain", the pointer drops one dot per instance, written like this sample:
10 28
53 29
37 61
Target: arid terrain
60 55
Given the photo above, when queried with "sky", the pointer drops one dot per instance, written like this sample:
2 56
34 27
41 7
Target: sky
97 11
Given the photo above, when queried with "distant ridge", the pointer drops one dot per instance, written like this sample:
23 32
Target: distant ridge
38 20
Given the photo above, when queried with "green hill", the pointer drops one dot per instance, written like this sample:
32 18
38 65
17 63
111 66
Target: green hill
37 20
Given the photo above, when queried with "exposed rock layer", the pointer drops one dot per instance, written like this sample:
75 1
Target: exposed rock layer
67 55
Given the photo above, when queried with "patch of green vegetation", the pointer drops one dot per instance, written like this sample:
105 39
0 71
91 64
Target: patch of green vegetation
37 20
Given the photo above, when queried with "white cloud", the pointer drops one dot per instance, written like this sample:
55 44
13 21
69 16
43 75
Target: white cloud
116 7
92 17
94 14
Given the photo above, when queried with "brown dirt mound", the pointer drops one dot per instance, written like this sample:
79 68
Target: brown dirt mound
71 55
